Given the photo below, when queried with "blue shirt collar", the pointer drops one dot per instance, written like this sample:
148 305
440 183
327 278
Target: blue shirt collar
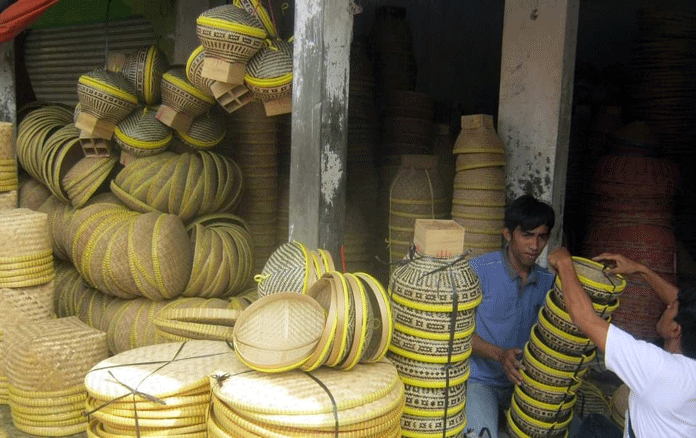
531 279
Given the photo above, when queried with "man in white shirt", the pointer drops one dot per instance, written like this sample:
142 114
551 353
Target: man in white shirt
662 402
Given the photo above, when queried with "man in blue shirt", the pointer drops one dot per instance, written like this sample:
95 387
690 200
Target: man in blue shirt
514 288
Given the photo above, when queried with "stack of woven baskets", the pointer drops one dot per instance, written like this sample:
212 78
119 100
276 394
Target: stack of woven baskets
158 390
48 148
367 401
416 192
478 199
343 319
9 180
138 322
26 284
632 214
558 355
434 304
253 143
46 362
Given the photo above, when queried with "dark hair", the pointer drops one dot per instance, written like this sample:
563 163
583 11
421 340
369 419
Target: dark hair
686 318
529 213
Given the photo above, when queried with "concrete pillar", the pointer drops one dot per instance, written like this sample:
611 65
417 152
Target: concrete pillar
323 34
8 100
536 89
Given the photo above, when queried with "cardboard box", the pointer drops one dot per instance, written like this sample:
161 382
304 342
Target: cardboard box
440 238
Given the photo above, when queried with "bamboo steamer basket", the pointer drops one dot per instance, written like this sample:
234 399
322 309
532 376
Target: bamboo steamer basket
429 375
430 402
548 375
141 134
555 359
542 411
548 393
431 350
427 283
414 426
269 76
477 136
144 69
105 98
435 325
537 428
181 101
601 286
560 340
205 132
231 37
194 71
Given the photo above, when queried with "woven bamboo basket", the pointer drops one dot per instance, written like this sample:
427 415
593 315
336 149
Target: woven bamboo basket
435 325
429 375
206 132
25 251
32 194
537 428
230 36
194 70
269 77
477 135
548 375
547 393
561 341
542 411
431 350
105 98
287 270
555 359
601 286
430 402
428 284
181 101
144 69
414 426
591 400
141 134
480 160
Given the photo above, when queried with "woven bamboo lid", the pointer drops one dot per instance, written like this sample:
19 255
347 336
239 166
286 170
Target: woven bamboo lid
379 304
287 269
160 370
279 332
180 95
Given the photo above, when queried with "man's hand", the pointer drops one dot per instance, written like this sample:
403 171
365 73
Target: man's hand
556 256
511 365
622 264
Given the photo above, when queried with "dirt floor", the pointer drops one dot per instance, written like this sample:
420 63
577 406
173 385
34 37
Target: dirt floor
7 429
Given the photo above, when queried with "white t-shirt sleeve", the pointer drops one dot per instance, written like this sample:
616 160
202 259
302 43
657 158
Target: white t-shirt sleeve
636 362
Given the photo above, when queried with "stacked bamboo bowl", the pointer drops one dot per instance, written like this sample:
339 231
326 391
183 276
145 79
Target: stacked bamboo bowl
434 304
140 322
47 361
415 192
128 254
341 320
223 256
158 390
9 180
478 198
48 148
557 356
187 185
